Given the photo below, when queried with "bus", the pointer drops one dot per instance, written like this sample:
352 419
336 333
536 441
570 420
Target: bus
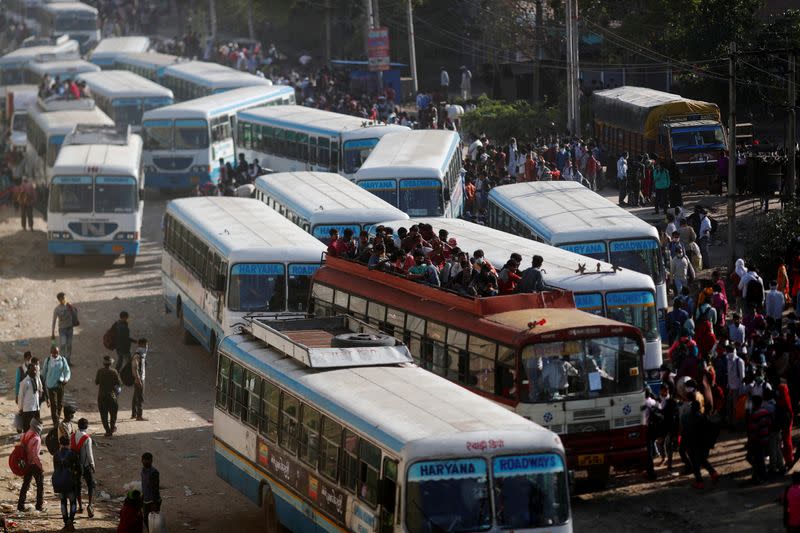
624 295
184 142
13 65
23 11
195 79
64 69
75 19
46 133
150 65
227 257
125 96
567 215
577 374
290 139
383 447
95 200
418 172
109 49
14 103
321 201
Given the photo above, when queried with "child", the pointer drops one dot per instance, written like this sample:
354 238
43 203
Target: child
130 516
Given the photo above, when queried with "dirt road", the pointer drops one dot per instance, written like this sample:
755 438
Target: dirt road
178 406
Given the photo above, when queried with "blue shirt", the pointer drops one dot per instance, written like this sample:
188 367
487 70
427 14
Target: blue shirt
56 371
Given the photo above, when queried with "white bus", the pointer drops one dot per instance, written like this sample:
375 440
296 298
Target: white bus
125 96
15 100
64 69
417 171
13 65
567 215
226 257
46 133
150 65
362 446
75 19
321 201
109 49
184 142
624 295
95 201
295 138
195 79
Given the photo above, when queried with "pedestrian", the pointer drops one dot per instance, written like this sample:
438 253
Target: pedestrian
785 422
704 237
67 316
735 382
622 176
758 425
679 270
81 443
661 182
151 488
56 376
22 373
66 428
695 434
25 198
109 385
30 396
791 505
122 340
130 516
466 83
444 83
66 482
138 365
776 463
532 278
32 442
774 304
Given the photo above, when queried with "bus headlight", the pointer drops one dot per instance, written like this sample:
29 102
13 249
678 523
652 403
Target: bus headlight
60 236
127 236
201 169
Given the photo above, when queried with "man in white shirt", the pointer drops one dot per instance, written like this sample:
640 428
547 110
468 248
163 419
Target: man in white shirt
466 83
476 145
622 176
735 381
512 157
705 237
736 331
671 227
775 302
444 82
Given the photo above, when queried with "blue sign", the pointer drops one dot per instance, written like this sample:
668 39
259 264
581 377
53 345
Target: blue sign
452 469
523 465
361 143
119 102
639 244
302 270
157 123
589 301
110 180
257 269
372 185
585 248
57 139
617 299
420 184
323 231
72 180
191 124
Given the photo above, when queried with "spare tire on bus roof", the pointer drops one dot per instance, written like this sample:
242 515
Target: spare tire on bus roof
362 340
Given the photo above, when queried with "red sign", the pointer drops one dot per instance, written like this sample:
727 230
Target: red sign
378 48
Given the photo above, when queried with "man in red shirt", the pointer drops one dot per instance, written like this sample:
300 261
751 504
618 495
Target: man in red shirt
758 425
32 441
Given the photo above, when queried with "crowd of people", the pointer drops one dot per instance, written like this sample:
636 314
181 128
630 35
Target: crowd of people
69 88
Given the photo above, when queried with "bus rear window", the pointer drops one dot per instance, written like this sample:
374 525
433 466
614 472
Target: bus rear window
257 287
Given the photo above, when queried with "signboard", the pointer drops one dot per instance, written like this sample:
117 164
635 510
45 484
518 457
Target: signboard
378 49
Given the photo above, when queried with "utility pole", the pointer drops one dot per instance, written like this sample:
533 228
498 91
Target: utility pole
412 50
791 149
573 89
576 68
570 80
538 53
372 22
732 153
328 52
212 19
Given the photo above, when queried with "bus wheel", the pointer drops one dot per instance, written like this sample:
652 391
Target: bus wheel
130 260
59 260
356 340
271 522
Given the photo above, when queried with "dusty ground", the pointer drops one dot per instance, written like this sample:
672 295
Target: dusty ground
178 405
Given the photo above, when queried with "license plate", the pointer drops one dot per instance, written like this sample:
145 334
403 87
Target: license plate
581 474
589 460
116 248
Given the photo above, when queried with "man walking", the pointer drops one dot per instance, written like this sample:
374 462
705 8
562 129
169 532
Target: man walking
28 399
466 83
32 442
108 381
56 376
151 487
26 198
122 340
622 177
704 237
444 83
66 482
662 183
81 443
138 364
67 317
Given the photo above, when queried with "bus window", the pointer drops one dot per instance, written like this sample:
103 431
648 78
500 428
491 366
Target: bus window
290 411
253 400
376 313
191 134
71 194
127 111
329 448
482 363
324 158
505 376
302 146
355 153
369 469
257 287
236 391
421 197
115 195
358 307
334 157
270 403
299 286
349 474
312 150
530 491
590 303
157 134
384 189
222 382
341 300
639 255
309 436
388 495
595 250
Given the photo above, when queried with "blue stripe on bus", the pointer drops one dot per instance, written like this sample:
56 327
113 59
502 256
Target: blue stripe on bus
314 397
74 247
268 121
197 322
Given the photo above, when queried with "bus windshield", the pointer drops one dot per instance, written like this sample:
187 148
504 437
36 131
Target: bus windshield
448 495
698 138
581 369
530 491
383 189
154 102
356 152
157 134
300 286
72 194
115 195
637 308
76 22
191 134
257 287
19 122
595 250
639 255
127 111
421 198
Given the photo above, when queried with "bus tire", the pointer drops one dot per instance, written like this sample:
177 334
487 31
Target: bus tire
59 260
271 522
130 260
362 340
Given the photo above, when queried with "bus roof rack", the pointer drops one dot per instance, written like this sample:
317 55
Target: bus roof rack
327 342
98 134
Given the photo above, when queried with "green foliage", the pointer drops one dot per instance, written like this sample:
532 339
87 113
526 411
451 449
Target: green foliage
771 236
502 120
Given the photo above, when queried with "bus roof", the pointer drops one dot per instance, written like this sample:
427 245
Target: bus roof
123 84
410 154
116 160
214 75
246 229
69 49
68 7
393 405
154 60
326 198
110 47
215 104
559 266
71 66
307 118
564 212
63 122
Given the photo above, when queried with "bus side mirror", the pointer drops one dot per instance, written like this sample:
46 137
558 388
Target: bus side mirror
386 495
219 283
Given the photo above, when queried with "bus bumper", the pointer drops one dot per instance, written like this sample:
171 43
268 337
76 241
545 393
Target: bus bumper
180 180
93 248
622 449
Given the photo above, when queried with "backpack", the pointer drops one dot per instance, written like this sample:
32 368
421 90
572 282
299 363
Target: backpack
73 311
18 460
51 441
126 374
110 337
65 471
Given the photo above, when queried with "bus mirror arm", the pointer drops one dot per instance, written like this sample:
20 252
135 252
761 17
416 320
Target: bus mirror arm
219 283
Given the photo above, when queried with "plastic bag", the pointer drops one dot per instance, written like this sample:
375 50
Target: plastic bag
156 523
18 424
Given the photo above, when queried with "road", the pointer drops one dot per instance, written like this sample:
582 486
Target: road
179 399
